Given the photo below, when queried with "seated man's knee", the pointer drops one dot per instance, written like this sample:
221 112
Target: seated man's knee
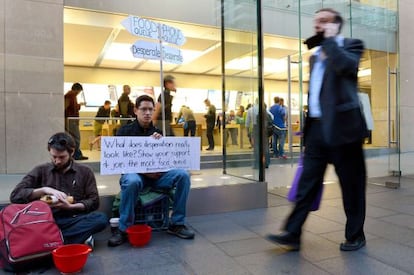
131 182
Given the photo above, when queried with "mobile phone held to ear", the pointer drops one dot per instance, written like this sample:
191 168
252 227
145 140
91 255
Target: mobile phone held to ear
314 41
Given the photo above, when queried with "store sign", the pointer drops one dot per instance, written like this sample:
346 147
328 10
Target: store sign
143 27
151 50
121 155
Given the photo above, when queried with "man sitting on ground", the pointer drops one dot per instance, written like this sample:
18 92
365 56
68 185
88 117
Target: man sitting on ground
59 180
132 184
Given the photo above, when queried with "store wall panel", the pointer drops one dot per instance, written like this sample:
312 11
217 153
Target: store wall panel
31 74
407 133
31 120
198 12
2 25
2 134
406 24
34 28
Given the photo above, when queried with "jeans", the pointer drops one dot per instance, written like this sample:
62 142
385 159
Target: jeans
233 133
132 184
279 137
77 229
191 128
72 127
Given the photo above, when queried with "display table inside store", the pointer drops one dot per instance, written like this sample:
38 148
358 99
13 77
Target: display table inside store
178 131
87 134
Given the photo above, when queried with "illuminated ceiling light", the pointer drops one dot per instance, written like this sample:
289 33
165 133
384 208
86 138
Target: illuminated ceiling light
364 72
102 186
271 65
197 179
242 64
121 52
224 177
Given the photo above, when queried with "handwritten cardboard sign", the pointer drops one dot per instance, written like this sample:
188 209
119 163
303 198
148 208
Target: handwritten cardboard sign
143 27
151 50
121 155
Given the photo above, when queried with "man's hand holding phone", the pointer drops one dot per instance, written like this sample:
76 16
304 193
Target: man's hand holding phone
330 30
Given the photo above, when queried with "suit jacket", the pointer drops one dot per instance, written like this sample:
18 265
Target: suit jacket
342 119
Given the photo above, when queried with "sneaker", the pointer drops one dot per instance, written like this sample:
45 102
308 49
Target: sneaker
283 157
90 242
181 231
117 238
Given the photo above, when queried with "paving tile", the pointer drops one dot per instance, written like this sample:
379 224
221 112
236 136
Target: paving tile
333 202
391 253
331 213
339 236
243 247
281 211
315 248
221 231
209 260
401 220
355 263
278 262
276 200
319 225
377 212
265 229
389 231
253 217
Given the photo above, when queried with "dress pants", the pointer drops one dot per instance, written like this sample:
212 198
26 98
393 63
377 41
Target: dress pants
210 136
349 165
72 127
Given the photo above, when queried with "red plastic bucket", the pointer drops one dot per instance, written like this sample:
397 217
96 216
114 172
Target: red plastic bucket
139 235
71 258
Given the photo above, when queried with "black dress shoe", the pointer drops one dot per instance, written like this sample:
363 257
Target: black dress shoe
288 240
354 245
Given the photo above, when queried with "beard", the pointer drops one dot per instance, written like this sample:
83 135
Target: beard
63 167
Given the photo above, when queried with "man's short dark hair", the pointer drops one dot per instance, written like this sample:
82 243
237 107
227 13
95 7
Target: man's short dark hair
77 87
338 17
107 102
143 98
61 142
168 78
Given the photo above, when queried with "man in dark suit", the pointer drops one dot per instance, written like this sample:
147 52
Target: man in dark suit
333 132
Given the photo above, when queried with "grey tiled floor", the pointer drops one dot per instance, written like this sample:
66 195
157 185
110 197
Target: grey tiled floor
234 243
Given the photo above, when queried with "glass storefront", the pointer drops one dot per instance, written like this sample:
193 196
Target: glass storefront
232 65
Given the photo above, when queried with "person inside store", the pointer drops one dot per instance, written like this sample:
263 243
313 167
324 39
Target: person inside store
72 108
115 122
70 189
333 133
189 122
240 115
252 122
248 126
103 112
210 117
231 120
279 113
132 184
125 106
169 93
